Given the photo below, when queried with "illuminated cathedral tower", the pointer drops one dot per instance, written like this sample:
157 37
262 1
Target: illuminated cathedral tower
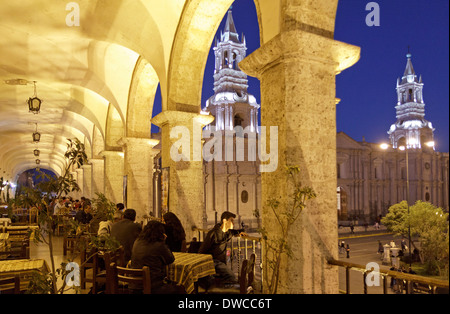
231 104
231 182
411 129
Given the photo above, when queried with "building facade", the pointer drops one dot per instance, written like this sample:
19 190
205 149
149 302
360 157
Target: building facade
372 177
231 174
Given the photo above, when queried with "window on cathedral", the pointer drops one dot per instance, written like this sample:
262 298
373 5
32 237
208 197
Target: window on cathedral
338 167
427 197
238 120
410 94
244 196
233 60
225 58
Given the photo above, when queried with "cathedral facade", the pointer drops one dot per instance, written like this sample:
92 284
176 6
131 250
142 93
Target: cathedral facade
231 176
372 177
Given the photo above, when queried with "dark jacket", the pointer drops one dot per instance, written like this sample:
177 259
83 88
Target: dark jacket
216 243
173 241
126 232
155 255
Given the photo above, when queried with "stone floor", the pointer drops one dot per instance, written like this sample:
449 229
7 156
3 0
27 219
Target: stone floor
42 251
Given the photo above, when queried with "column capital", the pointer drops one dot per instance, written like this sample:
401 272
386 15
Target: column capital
297 45
127 141
172 117
95 160
87 166
111 153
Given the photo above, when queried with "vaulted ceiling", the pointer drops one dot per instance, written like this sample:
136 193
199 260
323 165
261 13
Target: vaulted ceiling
97 64
86 59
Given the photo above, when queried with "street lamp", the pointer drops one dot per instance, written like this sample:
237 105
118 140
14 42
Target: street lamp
36 135
430 144
34 103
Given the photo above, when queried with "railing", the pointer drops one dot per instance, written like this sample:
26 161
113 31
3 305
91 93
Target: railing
240 250
407 283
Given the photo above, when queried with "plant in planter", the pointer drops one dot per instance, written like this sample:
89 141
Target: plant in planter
277 246
41 197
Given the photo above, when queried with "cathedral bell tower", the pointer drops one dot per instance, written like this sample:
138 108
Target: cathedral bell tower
231 104
411 129
231 170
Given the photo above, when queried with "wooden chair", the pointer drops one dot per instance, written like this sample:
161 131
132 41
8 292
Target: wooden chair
247 275
10 285
117 257
89 261
120 276
246 280
74 244
33 214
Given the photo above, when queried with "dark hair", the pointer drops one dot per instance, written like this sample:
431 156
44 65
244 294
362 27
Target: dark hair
129 214
85 205
153 232
120 206
171 220
227 215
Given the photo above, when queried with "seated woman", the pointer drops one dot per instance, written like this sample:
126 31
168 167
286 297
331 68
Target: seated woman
176 236
150 250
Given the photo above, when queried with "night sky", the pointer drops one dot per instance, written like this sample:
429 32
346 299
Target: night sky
367 90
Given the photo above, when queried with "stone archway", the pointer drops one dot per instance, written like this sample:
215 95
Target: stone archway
297 64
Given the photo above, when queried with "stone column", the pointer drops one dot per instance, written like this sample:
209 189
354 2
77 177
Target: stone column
138 167
297 71
113 175
87 180
97 176
181 152
80 180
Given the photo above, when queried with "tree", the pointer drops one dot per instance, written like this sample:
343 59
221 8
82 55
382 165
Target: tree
395 218
42 196
430 224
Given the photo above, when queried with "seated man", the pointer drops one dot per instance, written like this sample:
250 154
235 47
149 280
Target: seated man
126 232
216 242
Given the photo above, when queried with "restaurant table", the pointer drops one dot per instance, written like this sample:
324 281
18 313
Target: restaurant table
22 267
17 232
189 267
4 242
4 222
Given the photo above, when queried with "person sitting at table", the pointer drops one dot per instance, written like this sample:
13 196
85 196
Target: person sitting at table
58 207
126 232
150 250
216 242
83 215
176 236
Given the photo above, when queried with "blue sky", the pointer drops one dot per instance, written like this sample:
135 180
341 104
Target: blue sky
367 90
